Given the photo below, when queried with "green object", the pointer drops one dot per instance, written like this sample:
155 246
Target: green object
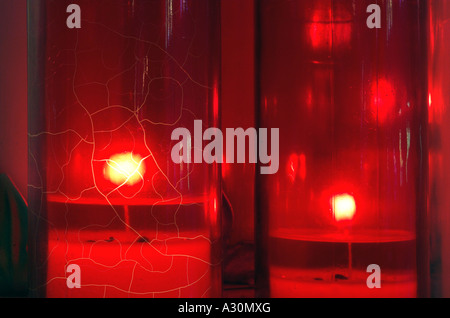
13 241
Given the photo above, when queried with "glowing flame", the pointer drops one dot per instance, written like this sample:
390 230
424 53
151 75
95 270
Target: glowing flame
343 207
124 168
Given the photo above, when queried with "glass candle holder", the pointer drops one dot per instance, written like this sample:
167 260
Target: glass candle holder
111 214
439 146
345 216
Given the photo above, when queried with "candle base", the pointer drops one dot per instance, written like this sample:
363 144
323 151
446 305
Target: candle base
312 264
140 251
177 267
294 283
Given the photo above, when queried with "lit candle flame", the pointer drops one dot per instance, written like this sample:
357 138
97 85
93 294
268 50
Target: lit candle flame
343 207
124 168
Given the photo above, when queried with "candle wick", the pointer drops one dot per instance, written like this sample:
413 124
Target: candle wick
350 265
127 218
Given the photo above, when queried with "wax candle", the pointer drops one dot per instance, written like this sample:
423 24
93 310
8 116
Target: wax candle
132 256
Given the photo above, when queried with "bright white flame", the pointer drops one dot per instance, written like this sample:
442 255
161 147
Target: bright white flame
124 168
343 207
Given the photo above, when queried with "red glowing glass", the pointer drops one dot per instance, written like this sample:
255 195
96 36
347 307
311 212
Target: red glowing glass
351 105
439 146
104 192
329 25
383 100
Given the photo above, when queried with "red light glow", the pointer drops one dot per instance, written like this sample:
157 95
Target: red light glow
330 29
382 99
343 207
296 167
124 168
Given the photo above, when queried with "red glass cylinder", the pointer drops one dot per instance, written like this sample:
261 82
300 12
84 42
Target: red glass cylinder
351 105
105 196
439 148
